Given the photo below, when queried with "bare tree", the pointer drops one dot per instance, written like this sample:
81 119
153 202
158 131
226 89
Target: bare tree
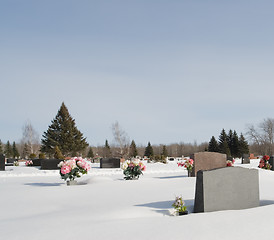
121 140
263 136
30 137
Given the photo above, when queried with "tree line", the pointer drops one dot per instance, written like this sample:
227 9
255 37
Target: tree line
229 144
63 139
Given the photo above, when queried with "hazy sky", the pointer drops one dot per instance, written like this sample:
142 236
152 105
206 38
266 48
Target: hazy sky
167 71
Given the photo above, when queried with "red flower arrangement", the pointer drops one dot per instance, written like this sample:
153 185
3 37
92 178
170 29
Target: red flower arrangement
264 164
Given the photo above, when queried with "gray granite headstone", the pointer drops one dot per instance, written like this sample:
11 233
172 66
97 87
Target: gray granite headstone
2 162
245 159
230 188
110 163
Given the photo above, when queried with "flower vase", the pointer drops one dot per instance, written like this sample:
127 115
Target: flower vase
72 183
183 213
189 173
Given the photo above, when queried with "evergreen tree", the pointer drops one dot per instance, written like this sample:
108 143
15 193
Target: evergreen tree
149 151
63 133
1 147
223 145
133 149
8 150
164 151
235 151
57 153
15 152
106 150
230 140
213 145
243 146
90 153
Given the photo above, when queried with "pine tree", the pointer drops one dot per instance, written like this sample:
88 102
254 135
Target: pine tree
15 152
8 150
243 146
213 145
149 151
164 151
57 153
133 149
106 150
1 147
90 153
223 145
63 133
235 151
230 140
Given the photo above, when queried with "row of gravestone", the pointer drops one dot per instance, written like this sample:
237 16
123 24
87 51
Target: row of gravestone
223 188
52 164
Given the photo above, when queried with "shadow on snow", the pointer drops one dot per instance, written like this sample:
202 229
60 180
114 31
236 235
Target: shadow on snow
164 207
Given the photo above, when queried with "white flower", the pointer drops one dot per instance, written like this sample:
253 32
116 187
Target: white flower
60 164
124 165
136 162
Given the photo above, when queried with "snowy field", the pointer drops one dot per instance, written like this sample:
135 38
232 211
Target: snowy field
37 205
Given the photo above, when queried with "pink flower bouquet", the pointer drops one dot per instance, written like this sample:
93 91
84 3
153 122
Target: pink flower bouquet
133 169
73 168
28 163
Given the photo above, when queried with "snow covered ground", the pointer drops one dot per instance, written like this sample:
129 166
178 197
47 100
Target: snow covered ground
37 205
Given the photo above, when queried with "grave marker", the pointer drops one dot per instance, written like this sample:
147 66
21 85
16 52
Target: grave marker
245 159
2 162
207 161
110 163
230 188
50 164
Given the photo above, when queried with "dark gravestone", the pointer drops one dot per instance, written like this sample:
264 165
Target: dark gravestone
110 163
207 161
245 159
11 160
271 162
50 164
230 188
37 162
229 158
2 162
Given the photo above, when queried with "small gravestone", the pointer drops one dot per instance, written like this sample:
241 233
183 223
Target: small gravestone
50 164
11 160
36 162
110 163
2 162
230 188
207 161
229 158
245 159
271 162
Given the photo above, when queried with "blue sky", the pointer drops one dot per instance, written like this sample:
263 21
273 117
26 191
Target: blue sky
167 71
